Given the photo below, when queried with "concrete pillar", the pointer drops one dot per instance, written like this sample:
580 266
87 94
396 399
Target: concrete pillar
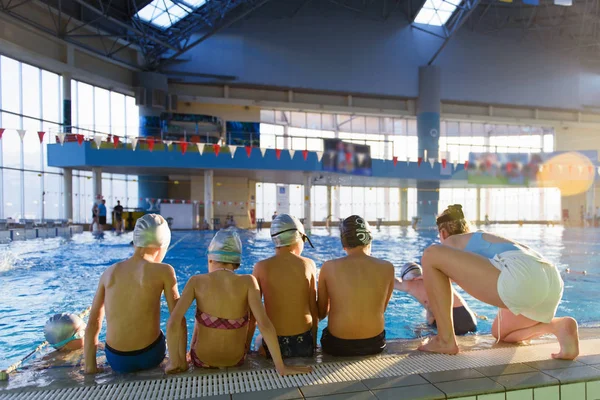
336 213
428 131
66 93
209 212
307 203
97 183
152 187
403 204
68 193
478 205
329 205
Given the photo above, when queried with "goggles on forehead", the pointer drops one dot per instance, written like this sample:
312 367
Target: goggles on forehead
304 237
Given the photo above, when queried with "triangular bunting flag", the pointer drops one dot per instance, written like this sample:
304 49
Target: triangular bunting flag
455 164
395 159
150 142
115 141
444 163
21 133
277 153
183 146
431 162
1 132
167 144
570 169
216 149
591 170
305 154
560 168
466 164
598 170
580 168
61 137
419 161
98 141
292 152
319 156
79 139
541 168
348 156
249 151
134 142
41 136
360 157
232 150
200 147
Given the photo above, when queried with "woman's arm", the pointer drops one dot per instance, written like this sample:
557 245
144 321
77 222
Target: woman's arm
268 331
174 329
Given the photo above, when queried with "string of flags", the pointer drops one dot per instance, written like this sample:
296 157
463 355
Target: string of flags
150 142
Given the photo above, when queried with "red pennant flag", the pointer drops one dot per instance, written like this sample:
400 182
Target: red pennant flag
419 161
395 160
115 141
444 163
348 157
466 164
1 132
509 167
550 167
150 142
249 150
183 146
278 153
488 164
216 149
79 139
591 169
570 169
305 154
41 136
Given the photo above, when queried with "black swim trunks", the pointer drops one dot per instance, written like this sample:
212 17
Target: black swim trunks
102 220
352 347
464 321
301 345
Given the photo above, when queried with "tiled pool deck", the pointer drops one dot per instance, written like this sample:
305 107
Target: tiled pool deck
481 372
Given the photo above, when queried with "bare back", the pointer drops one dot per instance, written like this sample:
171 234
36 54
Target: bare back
222 294
287 282
133 290
359 288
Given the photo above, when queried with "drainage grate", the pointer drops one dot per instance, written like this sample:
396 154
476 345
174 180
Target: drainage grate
210 384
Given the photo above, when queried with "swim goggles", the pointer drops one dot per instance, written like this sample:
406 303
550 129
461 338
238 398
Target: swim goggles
412 267
304 237
77 335
455 213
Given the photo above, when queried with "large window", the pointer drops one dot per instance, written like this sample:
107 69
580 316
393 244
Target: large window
31 101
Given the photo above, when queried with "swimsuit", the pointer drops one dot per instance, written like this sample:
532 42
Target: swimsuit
137 360
528 284
352 347
464 321
301 345
209 321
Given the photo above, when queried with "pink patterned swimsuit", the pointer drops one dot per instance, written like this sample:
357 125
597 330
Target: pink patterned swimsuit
217 323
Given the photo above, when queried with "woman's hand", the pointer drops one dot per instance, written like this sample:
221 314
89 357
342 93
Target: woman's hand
286 370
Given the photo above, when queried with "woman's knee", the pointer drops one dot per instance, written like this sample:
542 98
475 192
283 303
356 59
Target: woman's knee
430 255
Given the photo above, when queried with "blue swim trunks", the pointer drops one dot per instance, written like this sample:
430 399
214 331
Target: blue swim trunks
137 360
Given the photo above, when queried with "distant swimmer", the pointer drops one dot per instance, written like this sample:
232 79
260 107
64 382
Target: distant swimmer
524 285
411 282
65 332
130 292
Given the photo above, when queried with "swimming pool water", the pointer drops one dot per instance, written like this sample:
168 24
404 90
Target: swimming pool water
41 277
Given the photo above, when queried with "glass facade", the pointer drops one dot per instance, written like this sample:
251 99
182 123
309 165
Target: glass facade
31 100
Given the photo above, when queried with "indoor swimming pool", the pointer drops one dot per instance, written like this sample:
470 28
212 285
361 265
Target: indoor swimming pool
39 278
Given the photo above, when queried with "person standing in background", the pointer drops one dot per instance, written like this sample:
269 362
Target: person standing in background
118 215
94 217
102 215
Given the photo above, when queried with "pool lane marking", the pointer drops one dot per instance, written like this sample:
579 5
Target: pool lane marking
171 247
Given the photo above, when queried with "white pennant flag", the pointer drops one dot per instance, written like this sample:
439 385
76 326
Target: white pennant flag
292 152
455 163
171 201
432 161
21 133
580 168
263 151
168 143
98 141
200 148
360 157
319 155
134 142
232 150
560 167
541 168
61 138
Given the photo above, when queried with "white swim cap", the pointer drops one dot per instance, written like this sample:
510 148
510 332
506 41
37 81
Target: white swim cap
152 231
411 271
61 329
287 230
226 247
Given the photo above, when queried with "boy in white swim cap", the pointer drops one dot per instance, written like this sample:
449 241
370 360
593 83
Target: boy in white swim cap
287 275
411 282
130 293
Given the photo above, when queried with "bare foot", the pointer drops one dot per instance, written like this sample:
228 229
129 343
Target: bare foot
437 345
568 338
